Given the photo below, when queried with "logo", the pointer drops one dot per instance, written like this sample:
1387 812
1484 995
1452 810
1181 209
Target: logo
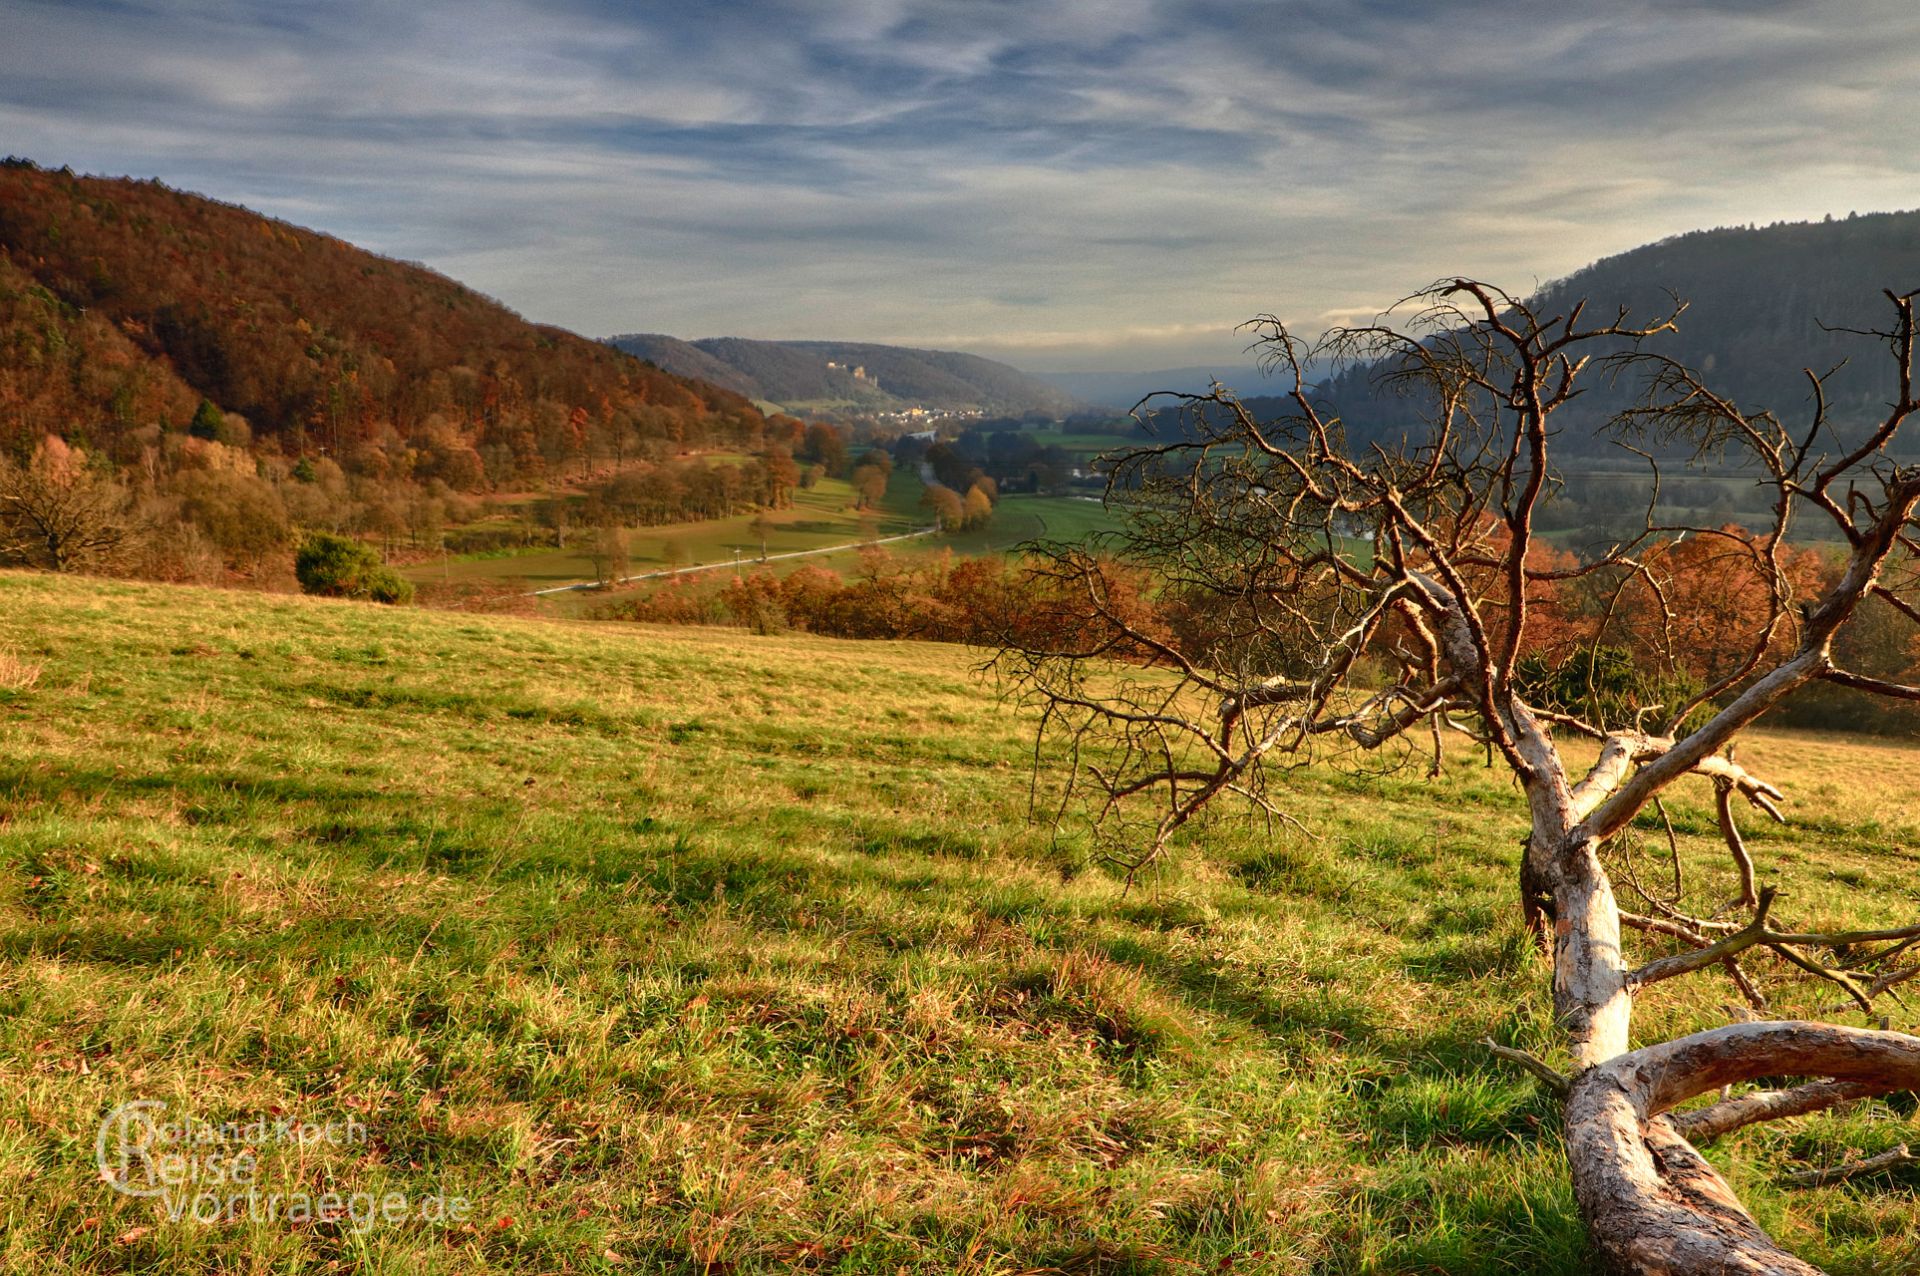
126 1148
210 1173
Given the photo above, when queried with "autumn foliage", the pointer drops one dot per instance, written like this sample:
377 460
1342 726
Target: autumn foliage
128 309
1580 634
938 599
240 380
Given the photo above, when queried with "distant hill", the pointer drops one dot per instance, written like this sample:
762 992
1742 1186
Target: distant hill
1757 302
1124 389
131 312
852 376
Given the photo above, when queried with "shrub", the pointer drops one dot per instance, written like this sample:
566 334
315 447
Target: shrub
755 601
339 567
1604 686
973 600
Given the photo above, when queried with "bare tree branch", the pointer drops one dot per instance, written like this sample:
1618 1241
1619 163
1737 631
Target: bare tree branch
1329 593
1891 1159
1755 1106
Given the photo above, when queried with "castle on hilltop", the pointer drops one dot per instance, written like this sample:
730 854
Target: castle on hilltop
857 371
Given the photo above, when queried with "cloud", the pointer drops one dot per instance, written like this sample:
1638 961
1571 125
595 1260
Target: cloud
1106 180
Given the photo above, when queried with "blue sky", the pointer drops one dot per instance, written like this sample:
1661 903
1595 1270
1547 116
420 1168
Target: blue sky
1059 183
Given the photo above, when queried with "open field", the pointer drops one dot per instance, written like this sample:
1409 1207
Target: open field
687 951
1088 444
822 515
1017 520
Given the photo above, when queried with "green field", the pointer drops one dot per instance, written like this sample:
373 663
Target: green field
820 516
685 951
1091 442
1018 519
1087 444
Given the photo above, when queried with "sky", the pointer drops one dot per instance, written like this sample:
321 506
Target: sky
1063 184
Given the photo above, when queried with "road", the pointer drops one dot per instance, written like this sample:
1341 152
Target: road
743 562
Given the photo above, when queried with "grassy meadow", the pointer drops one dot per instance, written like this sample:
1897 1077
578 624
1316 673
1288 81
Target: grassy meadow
687 951
1020 518
821 516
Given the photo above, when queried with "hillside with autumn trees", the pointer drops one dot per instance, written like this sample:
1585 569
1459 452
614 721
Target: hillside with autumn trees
236 373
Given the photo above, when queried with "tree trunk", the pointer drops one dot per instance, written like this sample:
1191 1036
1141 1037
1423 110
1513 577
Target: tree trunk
1652 1205
1536 899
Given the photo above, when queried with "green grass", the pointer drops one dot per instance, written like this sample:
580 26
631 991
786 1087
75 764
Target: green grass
688 951
1086 444
1018 519
820 516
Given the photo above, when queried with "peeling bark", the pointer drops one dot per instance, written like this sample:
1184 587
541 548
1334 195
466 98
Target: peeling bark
1747 1109
1652 1205
1536 898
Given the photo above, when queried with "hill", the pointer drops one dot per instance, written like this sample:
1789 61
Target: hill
1124 389
852 376
689 951
124 305
1762 305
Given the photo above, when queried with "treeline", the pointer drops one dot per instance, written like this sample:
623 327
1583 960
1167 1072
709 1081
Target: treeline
1687 615
796 458
959 494
1596 642
983 601
204 511
131 314
1015 461
65 509
685 491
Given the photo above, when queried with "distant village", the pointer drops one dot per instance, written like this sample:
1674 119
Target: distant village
905 415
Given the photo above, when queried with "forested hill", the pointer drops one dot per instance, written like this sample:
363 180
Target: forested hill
1757 302
130 312
852 376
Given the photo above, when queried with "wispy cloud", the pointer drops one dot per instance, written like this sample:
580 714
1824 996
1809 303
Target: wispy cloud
1047 180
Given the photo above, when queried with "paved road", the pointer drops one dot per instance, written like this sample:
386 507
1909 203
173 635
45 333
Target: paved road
743 562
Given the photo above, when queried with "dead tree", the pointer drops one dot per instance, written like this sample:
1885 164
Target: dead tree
1323 599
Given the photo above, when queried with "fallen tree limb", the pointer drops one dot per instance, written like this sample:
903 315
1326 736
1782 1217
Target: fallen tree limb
1888 1160
1887 981
1756 933
1652 1204
1755 1106
1736 846
1713 954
